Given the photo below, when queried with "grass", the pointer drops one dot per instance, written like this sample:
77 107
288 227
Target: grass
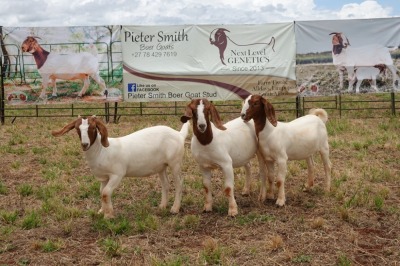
49 203
31 220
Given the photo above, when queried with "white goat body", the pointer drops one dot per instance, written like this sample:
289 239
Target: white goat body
302 138
368 55
217 146
295 140
240 152
53 66
140 154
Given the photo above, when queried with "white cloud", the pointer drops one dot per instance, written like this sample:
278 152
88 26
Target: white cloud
154 12
367 9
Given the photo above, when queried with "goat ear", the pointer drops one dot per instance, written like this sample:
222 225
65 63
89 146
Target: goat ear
188 114
215 117
65 129
269 111
103 132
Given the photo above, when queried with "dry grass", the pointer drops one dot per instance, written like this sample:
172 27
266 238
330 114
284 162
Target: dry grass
49 200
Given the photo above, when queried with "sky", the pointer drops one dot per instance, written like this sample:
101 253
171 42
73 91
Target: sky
48 13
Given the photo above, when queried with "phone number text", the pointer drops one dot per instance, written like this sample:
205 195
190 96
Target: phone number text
154 54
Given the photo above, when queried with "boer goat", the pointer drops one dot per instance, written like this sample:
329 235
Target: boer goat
52 66
295 140
143 153
217 146
348 58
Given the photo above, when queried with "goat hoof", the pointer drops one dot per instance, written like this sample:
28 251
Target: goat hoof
174 210
246 193
207 209
280 203
162 206
109 216
232 213
270 196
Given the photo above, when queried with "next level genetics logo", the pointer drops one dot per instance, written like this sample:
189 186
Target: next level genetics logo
132 87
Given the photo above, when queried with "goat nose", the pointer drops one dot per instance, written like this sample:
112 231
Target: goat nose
202 127
85 146
243 116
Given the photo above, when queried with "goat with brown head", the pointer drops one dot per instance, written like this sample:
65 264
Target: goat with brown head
72 66
221 146
279 142
143 153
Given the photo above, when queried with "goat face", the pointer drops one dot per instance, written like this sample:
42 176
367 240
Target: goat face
198 109
202 111
87 129
29 45
87 132
257 107
339 42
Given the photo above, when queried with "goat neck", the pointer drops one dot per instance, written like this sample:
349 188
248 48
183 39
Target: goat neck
95 147
260 120
40 56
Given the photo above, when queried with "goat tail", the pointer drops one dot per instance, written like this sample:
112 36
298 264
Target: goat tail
185 129
321 113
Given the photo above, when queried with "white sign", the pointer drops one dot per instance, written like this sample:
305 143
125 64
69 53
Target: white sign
175 63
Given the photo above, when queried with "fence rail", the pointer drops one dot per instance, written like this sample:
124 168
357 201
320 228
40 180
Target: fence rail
351 106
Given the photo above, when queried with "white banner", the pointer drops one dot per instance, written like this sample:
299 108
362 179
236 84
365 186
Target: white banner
175 63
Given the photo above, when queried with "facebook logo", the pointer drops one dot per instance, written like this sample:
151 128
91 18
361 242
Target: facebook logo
131 87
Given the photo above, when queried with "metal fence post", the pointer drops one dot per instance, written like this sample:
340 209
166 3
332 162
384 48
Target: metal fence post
115 111
2 101
2 92
106 112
